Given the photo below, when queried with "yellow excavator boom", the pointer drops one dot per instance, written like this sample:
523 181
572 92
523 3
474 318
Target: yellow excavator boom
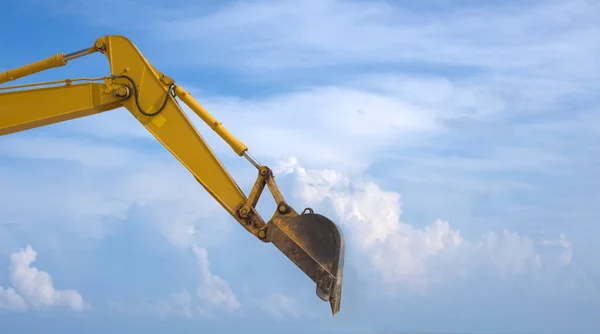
313 242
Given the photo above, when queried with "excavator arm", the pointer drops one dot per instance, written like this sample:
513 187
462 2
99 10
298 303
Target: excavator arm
313 242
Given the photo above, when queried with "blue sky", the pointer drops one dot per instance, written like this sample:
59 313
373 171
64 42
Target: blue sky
453 141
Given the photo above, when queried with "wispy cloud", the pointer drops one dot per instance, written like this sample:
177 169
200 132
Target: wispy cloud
213 290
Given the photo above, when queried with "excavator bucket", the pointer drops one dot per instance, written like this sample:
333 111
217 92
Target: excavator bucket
316 245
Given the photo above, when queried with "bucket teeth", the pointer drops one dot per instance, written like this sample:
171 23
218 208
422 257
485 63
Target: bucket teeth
316 245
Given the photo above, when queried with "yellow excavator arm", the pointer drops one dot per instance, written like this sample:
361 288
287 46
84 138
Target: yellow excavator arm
313 242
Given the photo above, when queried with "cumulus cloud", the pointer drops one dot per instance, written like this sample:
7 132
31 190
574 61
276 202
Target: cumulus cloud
35 289
398 252
9 299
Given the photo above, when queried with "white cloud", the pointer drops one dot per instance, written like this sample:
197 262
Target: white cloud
345 116
9 299
33 288
349 125
94 185
259 36
213 290
397 252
